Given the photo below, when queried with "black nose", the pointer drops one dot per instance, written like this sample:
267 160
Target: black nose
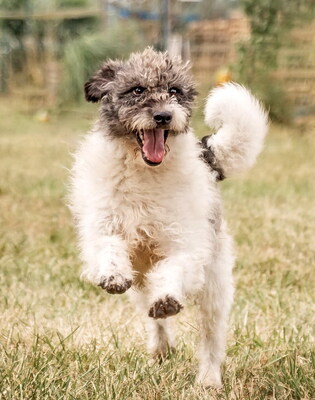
162 118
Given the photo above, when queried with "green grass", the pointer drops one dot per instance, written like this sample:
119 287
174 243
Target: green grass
61 338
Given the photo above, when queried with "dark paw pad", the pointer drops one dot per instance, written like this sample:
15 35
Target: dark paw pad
165 308
115 284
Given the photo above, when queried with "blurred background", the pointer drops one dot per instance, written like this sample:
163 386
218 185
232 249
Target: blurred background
62 338
48 48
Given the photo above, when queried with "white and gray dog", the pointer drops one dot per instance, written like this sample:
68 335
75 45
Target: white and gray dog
146 199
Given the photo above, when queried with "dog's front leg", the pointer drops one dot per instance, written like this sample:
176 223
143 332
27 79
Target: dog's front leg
170 281
108 264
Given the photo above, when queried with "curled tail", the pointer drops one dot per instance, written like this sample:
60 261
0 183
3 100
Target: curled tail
241 124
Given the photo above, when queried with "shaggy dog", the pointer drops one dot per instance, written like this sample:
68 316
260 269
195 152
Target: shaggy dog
146 199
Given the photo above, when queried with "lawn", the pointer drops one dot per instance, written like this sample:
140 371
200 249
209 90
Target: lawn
61 338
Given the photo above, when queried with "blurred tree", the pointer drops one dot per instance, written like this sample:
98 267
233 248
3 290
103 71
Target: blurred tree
83 55
270 21
15 29
70 28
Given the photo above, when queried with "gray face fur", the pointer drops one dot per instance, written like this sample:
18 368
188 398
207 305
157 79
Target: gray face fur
144 100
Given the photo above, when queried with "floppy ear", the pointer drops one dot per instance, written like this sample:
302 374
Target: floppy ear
99 84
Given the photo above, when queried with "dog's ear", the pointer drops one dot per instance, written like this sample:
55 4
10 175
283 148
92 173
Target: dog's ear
99 84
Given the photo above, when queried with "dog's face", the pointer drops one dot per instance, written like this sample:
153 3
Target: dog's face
144 100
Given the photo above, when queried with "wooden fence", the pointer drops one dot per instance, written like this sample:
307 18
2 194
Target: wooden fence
213 47
213 43
296 68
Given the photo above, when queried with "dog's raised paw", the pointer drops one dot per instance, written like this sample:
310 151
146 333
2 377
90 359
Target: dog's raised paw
164 308
115 284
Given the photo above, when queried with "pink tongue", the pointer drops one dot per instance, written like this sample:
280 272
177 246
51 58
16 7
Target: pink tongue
153 145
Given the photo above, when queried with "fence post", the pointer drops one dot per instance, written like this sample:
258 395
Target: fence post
165 18
5 50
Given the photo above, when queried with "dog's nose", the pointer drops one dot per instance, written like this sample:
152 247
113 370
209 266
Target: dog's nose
162 118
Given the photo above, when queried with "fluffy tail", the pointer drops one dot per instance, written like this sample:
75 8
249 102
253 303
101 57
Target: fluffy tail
241 124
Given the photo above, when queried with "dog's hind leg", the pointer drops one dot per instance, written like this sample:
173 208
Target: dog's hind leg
160 336
161 339
215 305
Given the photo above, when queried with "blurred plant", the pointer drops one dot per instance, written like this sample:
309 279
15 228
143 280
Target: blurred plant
75 27
15 29
270 21
83 55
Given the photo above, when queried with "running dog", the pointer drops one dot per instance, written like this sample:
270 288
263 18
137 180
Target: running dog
146 199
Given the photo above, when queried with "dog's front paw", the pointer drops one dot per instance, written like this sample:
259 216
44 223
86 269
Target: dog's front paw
115 284
164 308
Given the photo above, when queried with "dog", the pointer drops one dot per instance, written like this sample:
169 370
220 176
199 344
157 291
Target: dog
146 199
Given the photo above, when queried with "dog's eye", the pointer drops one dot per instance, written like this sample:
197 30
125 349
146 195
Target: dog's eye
138 90
173 91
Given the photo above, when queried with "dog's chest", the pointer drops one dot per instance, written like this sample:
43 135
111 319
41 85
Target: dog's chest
156 203
145 196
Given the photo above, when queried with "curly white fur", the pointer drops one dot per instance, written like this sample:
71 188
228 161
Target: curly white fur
241 125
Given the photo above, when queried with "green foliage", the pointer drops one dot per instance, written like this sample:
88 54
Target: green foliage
270 21
16 30
82 56
72 3
71 28
75 28
18 27
14 4
255 69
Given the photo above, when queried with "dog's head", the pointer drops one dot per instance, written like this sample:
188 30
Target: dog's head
144 100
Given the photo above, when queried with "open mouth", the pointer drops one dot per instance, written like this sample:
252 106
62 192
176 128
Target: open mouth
152 145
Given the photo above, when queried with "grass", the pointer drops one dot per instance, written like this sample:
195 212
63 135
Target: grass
61 338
